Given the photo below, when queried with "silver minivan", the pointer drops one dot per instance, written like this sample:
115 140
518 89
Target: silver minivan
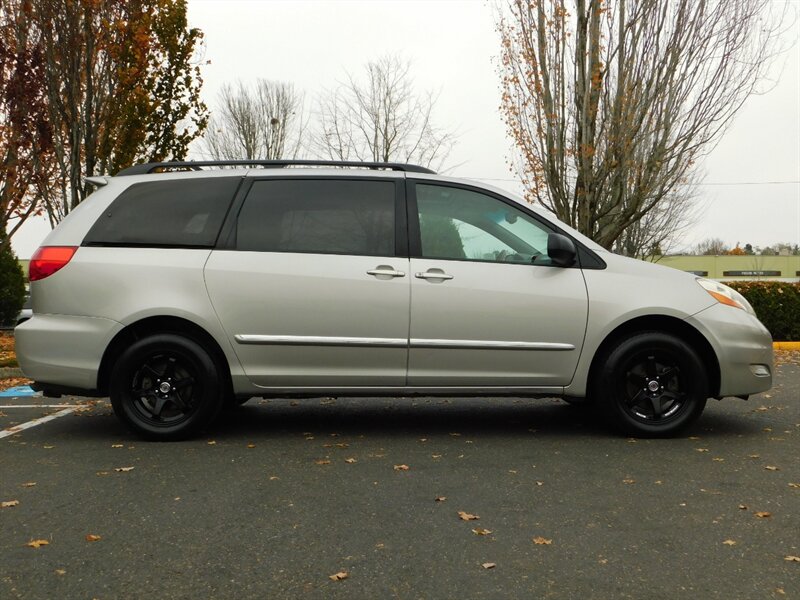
179 288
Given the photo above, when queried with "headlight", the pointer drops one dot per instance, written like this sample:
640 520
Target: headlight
725 295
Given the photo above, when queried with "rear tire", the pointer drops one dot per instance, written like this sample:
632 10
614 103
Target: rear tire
651 385
166 387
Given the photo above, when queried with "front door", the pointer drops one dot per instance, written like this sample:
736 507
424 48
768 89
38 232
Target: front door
487 307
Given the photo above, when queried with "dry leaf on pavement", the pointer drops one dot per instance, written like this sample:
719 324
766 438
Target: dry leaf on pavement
339 576
37 543
440 498
481 531
90 537
465 516
763 514
29 484
322 462
350 460
401 467
540 541
791 558
771 468
9 503
729 543
124 469
117 445
489 565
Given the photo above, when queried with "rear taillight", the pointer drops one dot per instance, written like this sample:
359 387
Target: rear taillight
49 259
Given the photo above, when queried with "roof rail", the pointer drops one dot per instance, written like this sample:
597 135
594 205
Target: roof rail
195 165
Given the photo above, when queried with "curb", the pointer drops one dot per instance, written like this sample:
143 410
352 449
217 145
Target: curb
786 345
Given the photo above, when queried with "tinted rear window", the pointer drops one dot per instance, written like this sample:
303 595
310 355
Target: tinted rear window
183 213
319 216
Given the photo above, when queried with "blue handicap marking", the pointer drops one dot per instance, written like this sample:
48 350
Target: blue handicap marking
17 392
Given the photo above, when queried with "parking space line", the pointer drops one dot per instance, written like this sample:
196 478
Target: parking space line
39 406
35 422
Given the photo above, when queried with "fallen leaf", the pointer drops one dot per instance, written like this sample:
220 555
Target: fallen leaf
124 469
465 516
791 558
102 473
763 514
489 565
37 543
540 541
48 447
702 449
440 498
274 478
251 445
90 537
212 443
343 445
322 462
339 576
771 468
729 543
436 456
60 572
350 460
29 484
717 459
117 445
401 467
540 483
742 507
628 481
9 503
795 485
481 531
753 456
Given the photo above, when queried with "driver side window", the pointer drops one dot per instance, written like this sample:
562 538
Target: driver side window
460 224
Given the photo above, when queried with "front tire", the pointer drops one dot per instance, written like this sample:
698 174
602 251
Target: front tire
651 385
166 387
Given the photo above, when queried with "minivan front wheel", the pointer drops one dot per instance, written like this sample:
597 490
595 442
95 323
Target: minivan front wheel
166 387
651 384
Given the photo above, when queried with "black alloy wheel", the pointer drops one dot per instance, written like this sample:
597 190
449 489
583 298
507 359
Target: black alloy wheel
166 387
652 384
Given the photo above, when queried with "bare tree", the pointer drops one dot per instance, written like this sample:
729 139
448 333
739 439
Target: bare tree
711 247
381 119
265 121
612 103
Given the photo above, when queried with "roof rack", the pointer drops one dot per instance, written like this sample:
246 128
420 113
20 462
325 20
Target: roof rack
195 165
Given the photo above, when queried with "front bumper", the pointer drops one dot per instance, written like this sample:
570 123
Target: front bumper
743 347
63 350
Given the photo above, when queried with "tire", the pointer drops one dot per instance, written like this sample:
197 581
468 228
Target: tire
166 387
651 385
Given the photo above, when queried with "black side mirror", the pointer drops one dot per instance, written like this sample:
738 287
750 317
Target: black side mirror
561 250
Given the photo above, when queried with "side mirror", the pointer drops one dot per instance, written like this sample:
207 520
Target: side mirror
561 250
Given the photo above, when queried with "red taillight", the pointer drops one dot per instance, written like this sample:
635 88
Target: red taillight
49 259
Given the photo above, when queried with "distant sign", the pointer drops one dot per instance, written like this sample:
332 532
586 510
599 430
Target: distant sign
751 273
700 273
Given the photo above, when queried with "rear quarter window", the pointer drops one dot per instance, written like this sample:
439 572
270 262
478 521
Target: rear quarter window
175 213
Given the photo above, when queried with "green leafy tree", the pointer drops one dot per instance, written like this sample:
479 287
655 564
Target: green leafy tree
122 84
12 284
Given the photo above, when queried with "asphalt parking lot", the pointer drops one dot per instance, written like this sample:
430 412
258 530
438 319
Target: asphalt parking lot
282 495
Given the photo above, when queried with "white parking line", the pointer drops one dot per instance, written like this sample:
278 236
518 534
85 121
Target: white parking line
35 422
2 406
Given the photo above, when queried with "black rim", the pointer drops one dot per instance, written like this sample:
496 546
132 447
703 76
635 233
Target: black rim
654 389
164 389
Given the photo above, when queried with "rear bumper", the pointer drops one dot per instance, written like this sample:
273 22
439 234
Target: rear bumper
743 347
63 351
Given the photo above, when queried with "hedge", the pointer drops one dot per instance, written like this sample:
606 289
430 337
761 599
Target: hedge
777 305
12 286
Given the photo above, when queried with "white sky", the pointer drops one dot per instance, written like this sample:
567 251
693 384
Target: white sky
452 45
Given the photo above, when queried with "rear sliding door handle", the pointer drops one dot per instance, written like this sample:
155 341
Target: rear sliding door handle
433 274
385 271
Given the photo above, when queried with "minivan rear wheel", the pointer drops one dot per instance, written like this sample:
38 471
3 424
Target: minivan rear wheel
166 387
652 385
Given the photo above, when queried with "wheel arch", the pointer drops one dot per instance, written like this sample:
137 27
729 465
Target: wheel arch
160 324
664 324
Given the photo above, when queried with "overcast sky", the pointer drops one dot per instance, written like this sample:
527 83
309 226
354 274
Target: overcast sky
751 192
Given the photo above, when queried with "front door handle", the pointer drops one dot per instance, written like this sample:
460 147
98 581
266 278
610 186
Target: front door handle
385 271
433 274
